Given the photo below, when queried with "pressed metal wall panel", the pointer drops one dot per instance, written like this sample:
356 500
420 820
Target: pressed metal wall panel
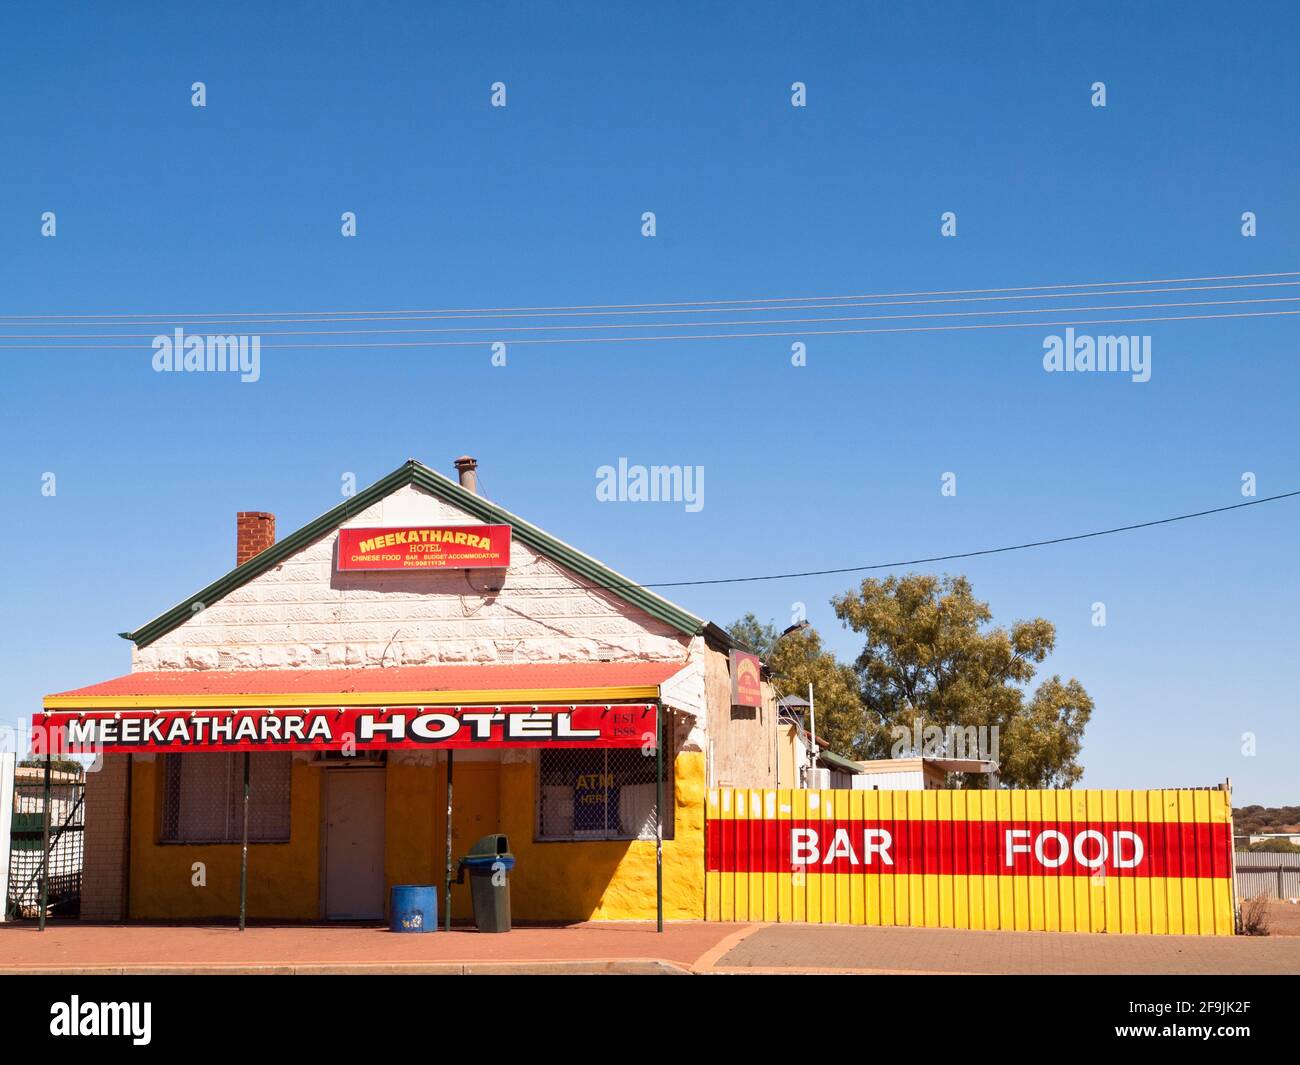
1057 861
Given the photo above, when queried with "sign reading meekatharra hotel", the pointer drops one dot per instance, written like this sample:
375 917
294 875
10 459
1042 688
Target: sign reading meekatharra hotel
340 728
425 547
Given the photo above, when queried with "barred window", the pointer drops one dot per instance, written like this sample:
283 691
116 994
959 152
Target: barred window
203 798
599 794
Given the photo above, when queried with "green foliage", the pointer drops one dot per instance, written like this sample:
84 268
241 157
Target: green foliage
1274 846
758 636
57 765
797 659
1257 820
931 659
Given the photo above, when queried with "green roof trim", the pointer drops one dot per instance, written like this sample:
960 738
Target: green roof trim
421 476
838 761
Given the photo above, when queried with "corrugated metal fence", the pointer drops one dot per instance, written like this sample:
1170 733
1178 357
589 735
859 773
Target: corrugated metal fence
1266 873
1099 861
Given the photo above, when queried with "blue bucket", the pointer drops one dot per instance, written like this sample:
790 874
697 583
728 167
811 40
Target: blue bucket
414 908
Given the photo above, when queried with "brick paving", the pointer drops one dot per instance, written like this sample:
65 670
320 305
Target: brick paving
626 947
809 948
634 946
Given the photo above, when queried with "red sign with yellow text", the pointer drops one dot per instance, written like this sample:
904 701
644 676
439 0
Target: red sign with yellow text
746 679
425 547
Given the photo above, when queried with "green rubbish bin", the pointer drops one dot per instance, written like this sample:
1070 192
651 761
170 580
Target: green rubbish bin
489 863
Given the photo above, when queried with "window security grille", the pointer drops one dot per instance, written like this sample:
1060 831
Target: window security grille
599 794
204 797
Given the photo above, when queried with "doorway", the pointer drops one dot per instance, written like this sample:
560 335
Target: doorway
353 844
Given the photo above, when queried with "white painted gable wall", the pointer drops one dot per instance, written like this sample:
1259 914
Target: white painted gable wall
303 615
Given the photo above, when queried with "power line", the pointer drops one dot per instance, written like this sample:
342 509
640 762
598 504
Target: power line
949 558
820 319
682 303
274 317
697 336
495 329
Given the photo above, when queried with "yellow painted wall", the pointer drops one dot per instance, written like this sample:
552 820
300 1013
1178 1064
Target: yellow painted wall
788 756
551 882
475 813
283 878
612 881
410 800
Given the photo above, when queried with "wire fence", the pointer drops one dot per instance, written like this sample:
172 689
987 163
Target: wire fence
67 833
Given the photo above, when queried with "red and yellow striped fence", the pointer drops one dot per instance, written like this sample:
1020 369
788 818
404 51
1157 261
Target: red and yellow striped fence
1068 861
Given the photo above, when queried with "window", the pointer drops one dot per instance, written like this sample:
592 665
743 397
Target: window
203 799
601 794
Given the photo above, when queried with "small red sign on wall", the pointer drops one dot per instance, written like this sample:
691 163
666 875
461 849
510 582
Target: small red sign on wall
746 679
425 547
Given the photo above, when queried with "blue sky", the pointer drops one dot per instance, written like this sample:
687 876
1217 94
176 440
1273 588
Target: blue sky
617 109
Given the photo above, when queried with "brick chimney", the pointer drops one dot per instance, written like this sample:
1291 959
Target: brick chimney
468 470
254 533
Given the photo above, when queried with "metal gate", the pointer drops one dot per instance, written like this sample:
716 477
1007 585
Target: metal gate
27 844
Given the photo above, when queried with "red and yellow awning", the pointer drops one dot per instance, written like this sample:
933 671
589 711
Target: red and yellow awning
450 707
442 685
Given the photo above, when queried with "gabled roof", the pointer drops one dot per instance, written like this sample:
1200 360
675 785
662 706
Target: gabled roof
421 476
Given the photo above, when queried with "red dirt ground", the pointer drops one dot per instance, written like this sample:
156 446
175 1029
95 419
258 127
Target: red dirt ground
1283 919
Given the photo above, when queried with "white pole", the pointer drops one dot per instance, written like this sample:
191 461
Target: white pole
1232 859
8 759
812 728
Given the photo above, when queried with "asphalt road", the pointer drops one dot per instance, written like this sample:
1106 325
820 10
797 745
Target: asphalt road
809 948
